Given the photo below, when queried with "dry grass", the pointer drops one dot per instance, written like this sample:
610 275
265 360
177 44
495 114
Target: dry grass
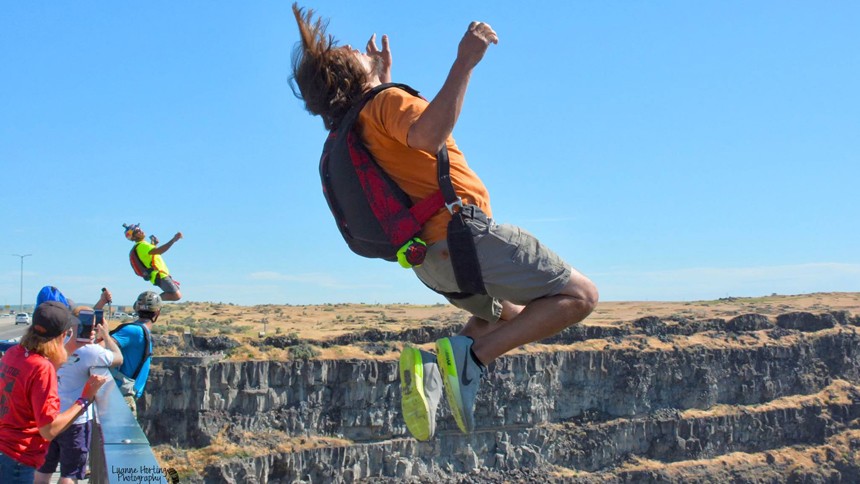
839 392
254 444
326 321
323 322
791 458
309 322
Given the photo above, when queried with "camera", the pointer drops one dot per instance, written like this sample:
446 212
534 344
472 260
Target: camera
86 319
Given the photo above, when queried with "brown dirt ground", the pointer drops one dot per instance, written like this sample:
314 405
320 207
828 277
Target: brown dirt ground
320 322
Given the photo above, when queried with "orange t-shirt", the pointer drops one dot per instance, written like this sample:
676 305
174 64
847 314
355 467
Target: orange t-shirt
384 125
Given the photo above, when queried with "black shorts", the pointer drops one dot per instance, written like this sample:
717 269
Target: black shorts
70 450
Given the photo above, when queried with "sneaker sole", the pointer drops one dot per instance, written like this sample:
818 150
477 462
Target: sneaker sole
451 381
413 402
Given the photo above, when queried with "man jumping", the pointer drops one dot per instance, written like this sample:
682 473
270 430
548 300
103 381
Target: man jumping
146 260
531 293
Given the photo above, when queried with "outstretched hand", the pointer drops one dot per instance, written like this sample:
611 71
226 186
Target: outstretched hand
475 43
381 58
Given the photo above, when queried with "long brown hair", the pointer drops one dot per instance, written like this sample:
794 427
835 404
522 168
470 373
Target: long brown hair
329 79
51 348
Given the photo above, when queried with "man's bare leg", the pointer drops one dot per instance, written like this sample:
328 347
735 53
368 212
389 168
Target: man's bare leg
539 319
41 478
171 296
477 327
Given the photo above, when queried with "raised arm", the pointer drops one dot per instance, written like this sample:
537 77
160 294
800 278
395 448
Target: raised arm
165 247
430 131
105 298
103 335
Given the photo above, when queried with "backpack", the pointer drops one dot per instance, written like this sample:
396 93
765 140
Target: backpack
137 265
375 217
128 381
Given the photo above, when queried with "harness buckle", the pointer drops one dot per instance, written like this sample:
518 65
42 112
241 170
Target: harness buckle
451 206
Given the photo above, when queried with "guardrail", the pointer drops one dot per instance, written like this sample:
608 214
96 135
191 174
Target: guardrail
120 452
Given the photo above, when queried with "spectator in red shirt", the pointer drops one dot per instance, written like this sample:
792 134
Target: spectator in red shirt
30 414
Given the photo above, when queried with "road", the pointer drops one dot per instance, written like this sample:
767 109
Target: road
8 328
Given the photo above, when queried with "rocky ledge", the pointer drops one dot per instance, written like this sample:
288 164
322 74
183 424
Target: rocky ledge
751 399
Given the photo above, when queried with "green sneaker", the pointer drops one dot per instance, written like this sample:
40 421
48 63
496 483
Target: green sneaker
461 375
420 391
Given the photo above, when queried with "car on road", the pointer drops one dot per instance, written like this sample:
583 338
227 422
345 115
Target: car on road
22 318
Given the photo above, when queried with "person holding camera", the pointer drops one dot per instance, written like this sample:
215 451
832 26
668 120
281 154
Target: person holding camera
30 416
71 448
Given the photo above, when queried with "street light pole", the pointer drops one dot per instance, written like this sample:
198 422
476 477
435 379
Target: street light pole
21 302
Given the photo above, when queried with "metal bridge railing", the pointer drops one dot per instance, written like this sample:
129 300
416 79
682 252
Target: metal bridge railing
120 452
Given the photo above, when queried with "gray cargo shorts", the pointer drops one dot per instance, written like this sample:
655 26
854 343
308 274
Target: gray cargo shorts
515 266
166 283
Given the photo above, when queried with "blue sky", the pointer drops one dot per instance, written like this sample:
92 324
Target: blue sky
670 150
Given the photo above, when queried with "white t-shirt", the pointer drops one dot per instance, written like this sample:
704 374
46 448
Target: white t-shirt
73 375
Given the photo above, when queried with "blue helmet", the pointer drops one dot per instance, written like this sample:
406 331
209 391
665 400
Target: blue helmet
51 293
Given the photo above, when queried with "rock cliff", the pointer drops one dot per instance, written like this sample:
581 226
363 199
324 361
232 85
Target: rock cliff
751 399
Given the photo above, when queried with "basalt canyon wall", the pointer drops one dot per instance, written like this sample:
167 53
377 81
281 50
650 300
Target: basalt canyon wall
751 399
